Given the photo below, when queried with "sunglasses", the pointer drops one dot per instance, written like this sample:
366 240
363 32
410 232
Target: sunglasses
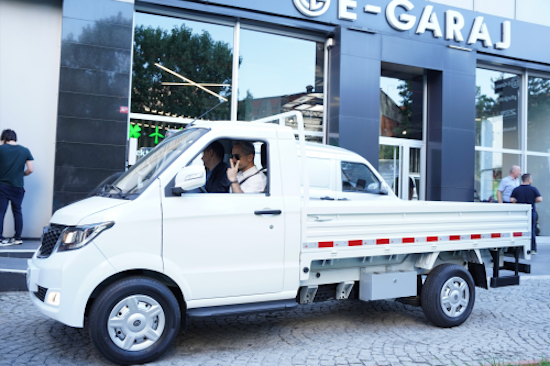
238 156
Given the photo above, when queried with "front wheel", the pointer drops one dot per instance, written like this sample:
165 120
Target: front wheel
448 295
134 320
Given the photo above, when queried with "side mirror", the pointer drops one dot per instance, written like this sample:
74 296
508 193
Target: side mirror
383 190
190 177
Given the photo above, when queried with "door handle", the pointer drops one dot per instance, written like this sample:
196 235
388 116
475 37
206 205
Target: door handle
327 198
268 212
322 219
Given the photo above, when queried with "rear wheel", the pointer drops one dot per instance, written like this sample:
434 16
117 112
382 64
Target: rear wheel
448 295
134 320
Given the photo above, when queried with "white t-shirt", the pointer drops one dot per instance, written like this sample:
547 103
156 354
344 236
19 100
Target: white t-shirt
255 184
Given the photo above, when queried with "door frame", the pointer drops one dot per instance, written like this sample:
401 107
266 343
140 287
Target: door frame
421 144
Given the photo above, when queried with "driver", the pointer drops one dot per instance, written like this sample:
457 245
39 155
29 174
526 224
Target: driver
243 174
216 179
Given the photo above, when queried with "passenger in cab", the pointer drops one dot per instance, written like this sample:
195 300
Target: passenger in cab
216 178
243 175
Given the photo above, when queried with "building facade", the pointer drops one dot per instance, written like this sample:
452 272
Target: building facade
443 97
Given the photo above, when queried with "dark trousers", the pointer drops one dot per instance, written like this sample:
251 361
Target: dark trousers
533 231
13 195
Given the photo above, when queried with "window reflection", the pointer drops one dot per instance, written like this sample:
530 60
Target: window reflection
490 168
279 74
401 95
497 109
202 52
538 117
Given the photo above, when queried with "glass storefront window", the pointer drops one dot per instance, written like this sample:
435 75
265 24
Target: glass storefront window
539 168
201 52
497 109
279 74
401 107
538 115
490 168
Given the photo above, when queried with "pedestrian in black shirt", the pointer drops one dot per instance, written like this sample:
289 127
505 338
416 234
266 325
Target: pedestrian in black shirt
13 159
526 193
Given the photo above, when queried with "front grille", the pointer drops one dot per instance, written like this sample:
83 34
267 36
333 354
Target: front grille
41 293
49 239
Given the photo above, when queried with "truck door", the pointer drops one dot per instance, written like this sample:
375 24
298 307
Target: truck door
228 244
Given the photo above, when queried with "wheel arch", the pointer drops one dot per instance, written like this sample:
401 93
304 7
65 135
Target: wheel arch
164 279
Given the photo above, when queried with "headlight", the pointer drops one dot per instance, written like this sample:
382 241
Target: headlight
79 236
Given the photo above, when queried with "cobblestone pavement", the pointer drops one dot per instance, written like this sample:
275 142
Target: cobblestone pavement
507 324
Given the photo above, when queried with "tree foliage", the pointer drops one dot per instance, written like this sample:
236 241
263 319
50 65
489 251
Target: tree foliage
194 55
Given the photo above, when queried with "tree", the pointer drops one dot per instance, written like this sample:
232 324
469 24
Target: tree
195 56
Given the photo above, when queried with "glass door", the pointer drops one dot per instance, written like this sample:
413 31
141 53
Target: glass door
403 110
400 164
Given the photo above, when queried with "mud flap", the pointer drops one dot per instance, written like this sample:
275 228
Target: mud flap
478 274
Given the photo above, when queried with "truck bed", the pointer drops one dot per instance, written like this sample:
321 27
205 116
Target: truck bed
339 229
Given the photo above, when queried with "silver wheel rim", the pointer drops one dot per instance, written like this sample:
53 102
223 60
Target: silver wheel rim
136 323
455 297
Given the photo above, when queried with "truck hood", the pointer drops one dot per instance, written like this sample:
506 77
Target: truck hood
72 214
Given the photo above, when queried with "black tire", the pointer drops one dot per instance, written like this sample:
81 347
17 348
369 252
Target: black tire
146 309
454 309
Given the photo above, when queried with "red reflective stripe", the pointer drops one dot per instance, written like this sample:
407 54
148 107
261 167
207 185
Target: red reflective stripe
382 241
408 240
454 237
518 234
495 235
432 238
352 243
326 244
476 236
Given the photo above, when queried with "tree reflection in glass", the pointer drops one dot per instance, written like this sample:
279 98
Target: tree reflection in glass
201 52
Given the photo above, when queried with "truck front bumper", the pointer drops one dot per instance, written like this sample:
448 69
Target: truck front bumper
60 285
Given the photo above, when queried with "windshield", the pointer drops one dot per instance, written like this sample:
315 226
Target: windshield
137 178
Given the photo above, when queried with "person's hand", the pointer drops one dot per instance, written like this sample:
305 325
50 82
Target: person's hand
232 172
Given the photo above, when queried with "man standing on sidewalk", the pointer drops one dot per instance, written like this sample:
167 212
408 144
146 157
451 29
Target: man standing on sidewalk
526 193
508 184
13 158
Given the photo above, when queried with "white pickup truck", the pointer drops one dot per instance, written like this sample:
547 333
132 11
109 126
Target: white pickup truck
148 253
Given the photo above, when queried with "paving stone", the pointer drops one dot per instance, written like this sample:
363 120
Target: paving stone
507 325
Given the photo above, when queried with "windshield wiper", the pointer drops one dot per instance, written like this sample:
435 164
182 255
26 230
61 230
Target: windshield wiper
109 187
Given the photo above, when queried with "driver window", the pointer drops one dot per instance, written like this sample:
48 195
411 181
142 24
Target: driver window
220 154
358 177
